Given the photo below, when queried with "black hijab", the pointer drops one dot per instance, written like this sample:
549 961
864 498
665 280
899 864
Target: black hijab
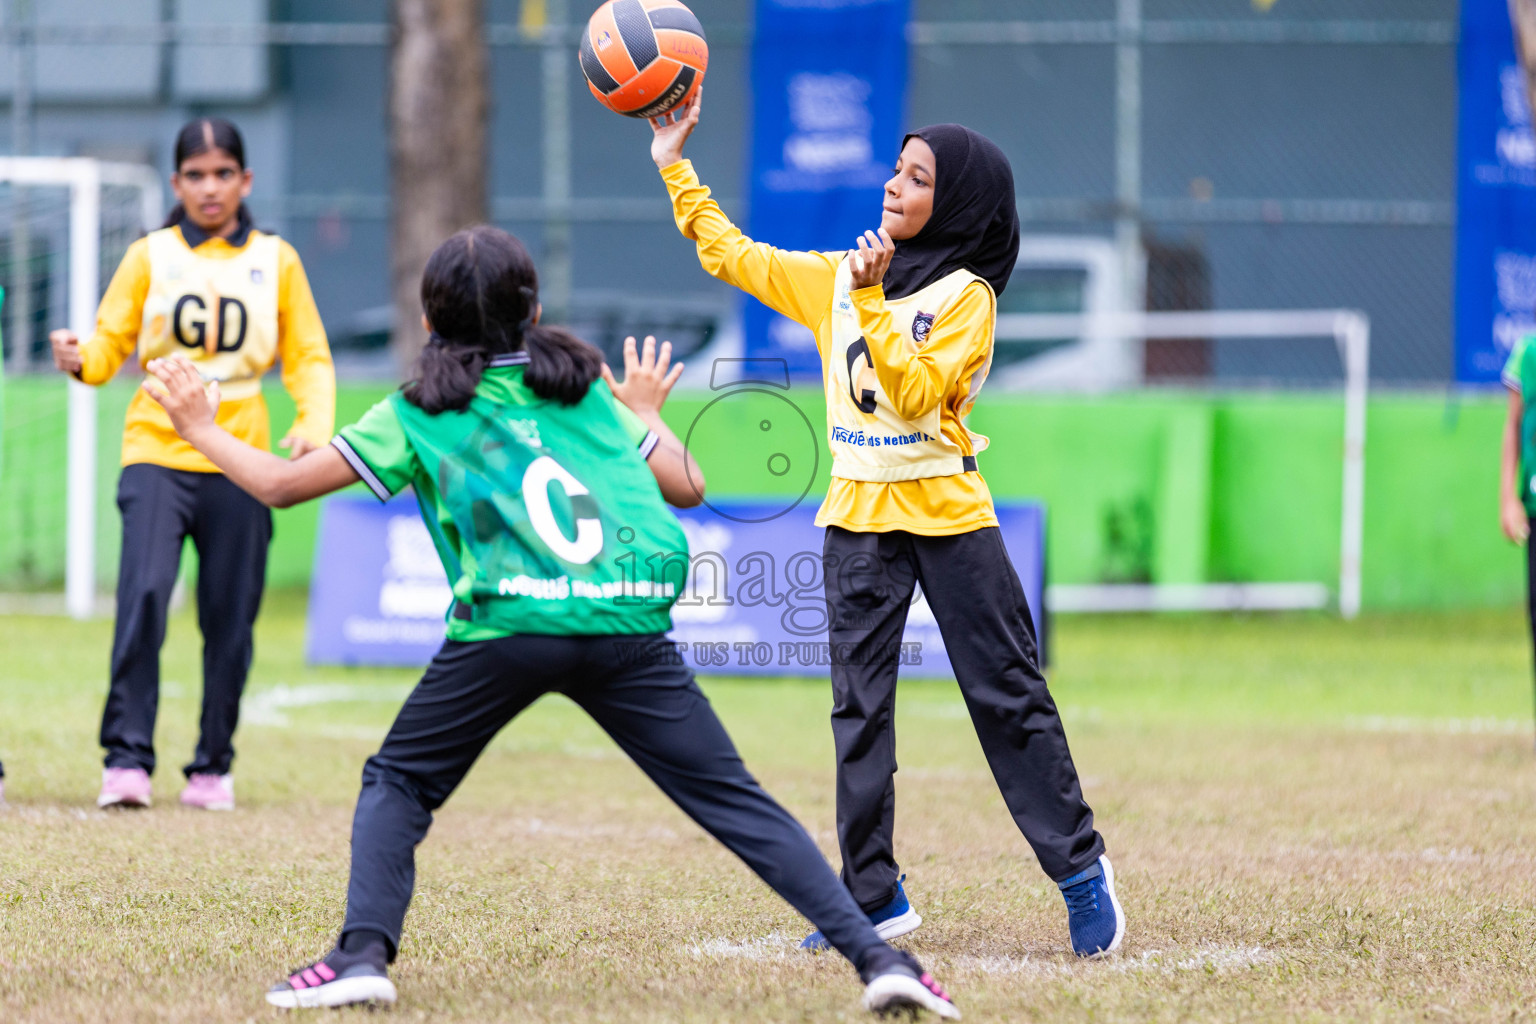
974 225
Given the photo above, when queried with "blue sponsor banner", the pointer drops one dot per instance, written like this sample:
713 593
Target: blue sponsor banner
377 595
829 81
1496 197
754 603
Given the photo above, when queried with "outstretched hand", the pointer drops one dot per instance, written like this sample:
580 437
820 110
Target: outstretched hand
672 130
1512 517
871 259
647 381
177 386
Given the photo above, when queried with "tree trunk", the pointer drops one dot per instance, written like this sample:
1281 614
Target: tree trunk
1522 16
437 146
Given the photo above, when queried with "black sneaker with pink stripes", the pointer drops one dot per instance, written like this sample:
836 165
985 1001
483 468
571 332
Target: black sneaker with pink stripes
341 979
894 982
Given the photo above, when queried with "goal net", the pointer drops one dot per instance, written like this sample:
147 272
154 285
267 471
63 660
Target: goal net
64 226
1232 357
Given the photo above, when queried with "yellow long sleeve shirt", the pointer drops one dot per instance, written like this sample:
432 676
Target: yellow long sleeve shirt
916 378
307 373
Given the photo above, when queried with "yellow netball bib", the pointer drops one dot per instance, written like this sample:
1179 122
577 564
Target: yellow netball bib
220 313
870 441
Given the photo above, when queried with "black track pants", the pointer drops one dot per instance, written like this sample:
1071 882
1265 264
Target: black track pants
639 692
161 508
980 608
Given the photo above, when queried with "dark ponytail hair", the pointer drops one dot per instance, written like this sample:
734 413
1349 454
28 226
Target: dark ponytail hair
480 292
201 136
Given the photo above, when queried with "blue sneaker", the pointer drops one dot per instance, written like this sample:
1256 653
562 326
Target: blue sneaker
895 918
1094 916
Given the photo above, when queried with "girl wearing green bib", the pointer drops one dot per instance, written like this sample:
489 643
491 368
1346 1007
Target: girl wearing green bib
545 491
1517 476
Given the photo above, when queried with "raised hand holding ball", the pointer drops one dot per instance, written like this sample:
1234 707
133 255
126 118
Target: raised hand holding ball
642 58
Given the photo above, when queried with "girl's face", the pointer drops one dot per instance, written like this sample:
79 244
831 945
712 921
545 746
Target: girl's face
909 193
210 186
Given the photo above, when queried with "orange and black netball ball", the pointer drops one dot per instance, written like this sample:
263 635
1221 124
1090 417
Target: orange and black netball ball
643 57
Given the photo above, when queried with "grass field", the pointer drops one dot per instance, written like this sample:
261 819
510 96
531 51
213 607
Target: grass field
1309 820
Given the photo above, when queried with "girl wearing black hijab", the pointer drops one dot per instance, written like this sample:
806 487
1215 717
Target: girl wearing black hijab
904 325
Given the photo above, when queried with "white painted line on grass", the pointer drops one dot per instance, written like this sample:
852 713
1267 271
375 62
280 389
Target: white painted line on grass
1217 959
1448 726
775 946
266 707
1209 959
538 826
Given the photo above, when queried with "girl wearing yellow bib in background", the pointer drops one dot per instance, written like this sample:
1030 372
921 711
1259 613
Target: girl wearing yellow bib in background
234 300
904 327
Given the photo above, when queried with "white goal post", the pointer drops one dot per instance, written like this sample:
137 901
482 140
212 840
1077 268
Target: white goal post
84 178
1117 335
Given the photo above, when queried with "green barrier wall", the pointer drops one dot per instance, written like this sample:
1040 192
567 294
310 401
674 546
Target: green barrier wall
1169 488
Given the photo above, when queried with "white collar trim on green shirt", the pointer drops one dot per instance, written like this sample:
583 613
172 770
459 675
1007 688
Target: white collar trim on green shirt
509 359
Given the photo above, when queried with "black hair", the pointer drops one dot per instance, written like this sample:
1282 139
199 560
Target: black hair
480 293
202 136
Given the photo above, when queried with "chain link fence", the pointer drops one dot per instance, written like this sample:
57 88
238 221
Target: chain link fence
1288 154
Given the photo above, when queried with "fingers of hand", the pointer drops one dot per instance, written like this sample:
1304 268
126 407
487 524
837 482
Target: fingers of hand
631 361
866 257
648 353
677 371
663 357
175 367
881 250
176 373
608 376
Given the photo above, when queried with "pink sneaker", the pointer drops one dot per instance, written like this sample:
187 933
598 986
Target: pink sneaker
210 792
124 787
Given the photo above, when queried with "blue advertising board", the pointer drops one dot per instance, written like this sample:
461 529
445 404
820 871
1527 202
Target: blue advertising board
753 604
1496 196
829 82
377 593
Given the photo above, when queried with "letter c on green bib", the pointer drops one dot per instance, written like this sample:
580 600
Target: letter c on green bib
589 532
